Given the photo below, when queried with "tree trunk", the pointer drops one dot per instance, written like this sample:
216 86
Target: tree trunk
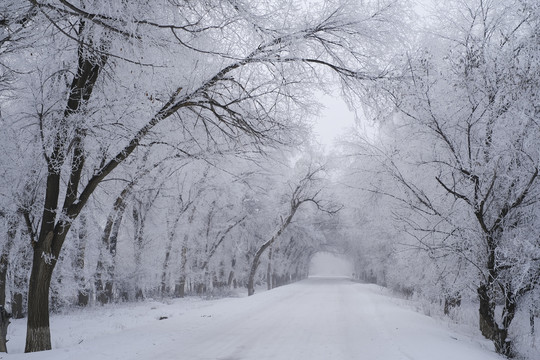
504 345
489 327
17 305
269 284
255 265
38 336
164 288
168 249
12 225
256 259
19 274
83 292
451 301
4 323
531 321
139 220
83 298
46 251
486 312
230 279
110 268
180 286
111 265
3 274
104 276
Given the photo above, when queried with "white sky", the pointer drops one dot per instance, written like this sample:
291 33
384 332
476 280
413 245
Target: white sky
335 119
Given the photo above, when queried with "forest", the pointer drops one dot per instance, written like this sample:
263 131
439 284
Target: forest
165 148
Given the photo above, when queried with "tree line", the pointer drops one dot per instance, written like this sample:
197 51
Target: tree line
143 141
455 168
163 149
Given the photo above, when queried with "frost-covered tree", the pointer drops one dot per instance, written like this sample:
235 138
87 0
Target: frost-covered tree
95 81
463 155
304 188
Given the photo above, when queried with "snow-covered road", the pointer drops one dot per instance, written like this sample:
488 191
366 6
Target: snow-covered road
319 318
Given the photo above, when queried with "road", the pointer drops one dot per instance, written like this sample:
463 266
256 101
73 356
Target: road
319 318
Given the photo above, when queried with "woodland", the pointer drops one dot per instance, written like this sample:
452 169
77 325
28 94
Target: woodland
164 148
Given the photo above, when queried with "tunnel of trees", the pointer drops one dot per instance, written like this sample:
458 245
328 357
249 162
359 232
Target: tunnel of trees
164 149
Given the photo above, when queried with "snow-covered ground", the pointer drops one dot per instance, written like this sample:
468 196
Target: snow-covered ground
319 318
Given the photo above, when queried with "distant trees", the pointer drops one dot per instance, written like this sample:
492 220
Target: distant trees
305 188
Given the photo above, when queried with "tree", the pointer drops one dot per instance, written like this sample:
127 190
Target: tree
178 208
306 189
98 91
465 157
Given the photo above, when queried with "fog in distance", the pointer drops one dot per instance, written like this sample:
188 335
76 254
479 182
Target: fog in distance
327 264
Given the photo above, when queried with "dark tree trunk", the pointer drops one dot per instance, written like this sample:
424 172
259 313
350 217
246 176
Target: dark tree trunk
269 284
451 301
258 254
486 313
531 321
38 336
17 305
83 298
4 323
488 325
3 274
255 265
505 346
486 295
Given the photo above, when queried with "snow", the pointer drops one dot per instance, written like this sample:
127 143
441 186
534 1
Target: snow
318 318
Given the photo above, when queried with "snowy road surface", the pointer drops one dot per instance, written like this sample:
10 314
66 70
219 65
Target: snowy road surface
319 318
